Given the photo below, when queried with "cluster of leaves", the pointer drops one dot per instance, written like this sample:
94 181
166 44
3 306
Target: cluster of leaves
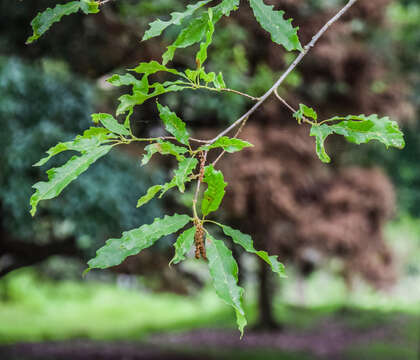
197 27
98 141
43 21
357 129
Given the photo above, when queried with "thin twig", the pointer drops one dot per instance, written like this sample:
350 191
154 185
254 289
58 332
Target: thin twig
197 87
299 58
236 135
241 93
284 101
304 119
103 2
166 138
197 191
191 139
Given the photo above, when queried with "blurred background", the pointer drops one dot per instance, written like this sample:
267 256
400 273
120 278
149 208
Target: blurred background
348 232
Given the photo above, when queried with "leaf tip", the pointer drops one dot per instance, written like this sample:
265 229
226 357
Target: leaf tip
86 272
33 202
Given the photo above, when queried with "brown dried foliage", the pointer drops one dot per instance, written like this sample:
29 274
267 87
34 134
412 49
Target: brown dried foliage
343 73
301 209
307 212
202 159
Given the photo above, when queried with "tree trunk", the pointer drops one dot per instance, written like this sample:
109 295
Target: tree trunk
266 318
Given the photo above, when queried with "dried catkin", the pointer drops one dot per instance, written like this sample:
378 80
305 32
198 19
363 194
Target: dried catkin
200 249
202 165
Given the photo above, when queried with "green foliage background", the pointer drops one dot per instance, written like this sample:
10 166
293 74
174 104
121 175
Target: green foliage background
45 103
40 106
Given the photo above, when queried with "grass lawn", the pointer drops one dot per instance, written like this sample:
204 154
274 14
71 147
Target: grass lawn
44 310
36 310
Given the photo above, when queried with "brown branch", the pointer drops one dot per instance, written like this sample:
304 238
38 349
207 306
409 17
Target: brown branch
197 191
191 139
304 119
284 102
241 93
236 135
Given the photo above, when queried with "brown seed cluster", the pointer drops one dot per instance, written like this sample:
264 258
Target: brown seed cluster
200 248
202 158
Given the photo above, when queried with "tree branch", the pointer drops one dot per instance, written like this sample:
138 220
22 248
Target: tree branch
236 135
203 159
295 63
103 2
304 119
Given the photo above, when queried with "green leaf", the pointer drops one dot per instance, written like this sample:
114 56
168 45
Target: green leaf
127 102
246 242
152 67
89 6
44 20
183 244
321 132
197 28
158 26
186 167
192 74
359 130
219 83
55 150
59 178
164 148
151 192
115 251
225 8
126 80
181 175
127 123
91 138
168 186
207 77
210 77
173 124
141 88
224 273
230 145
202 54
215 192
98 133
190 35
110 123
305 111
281 30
